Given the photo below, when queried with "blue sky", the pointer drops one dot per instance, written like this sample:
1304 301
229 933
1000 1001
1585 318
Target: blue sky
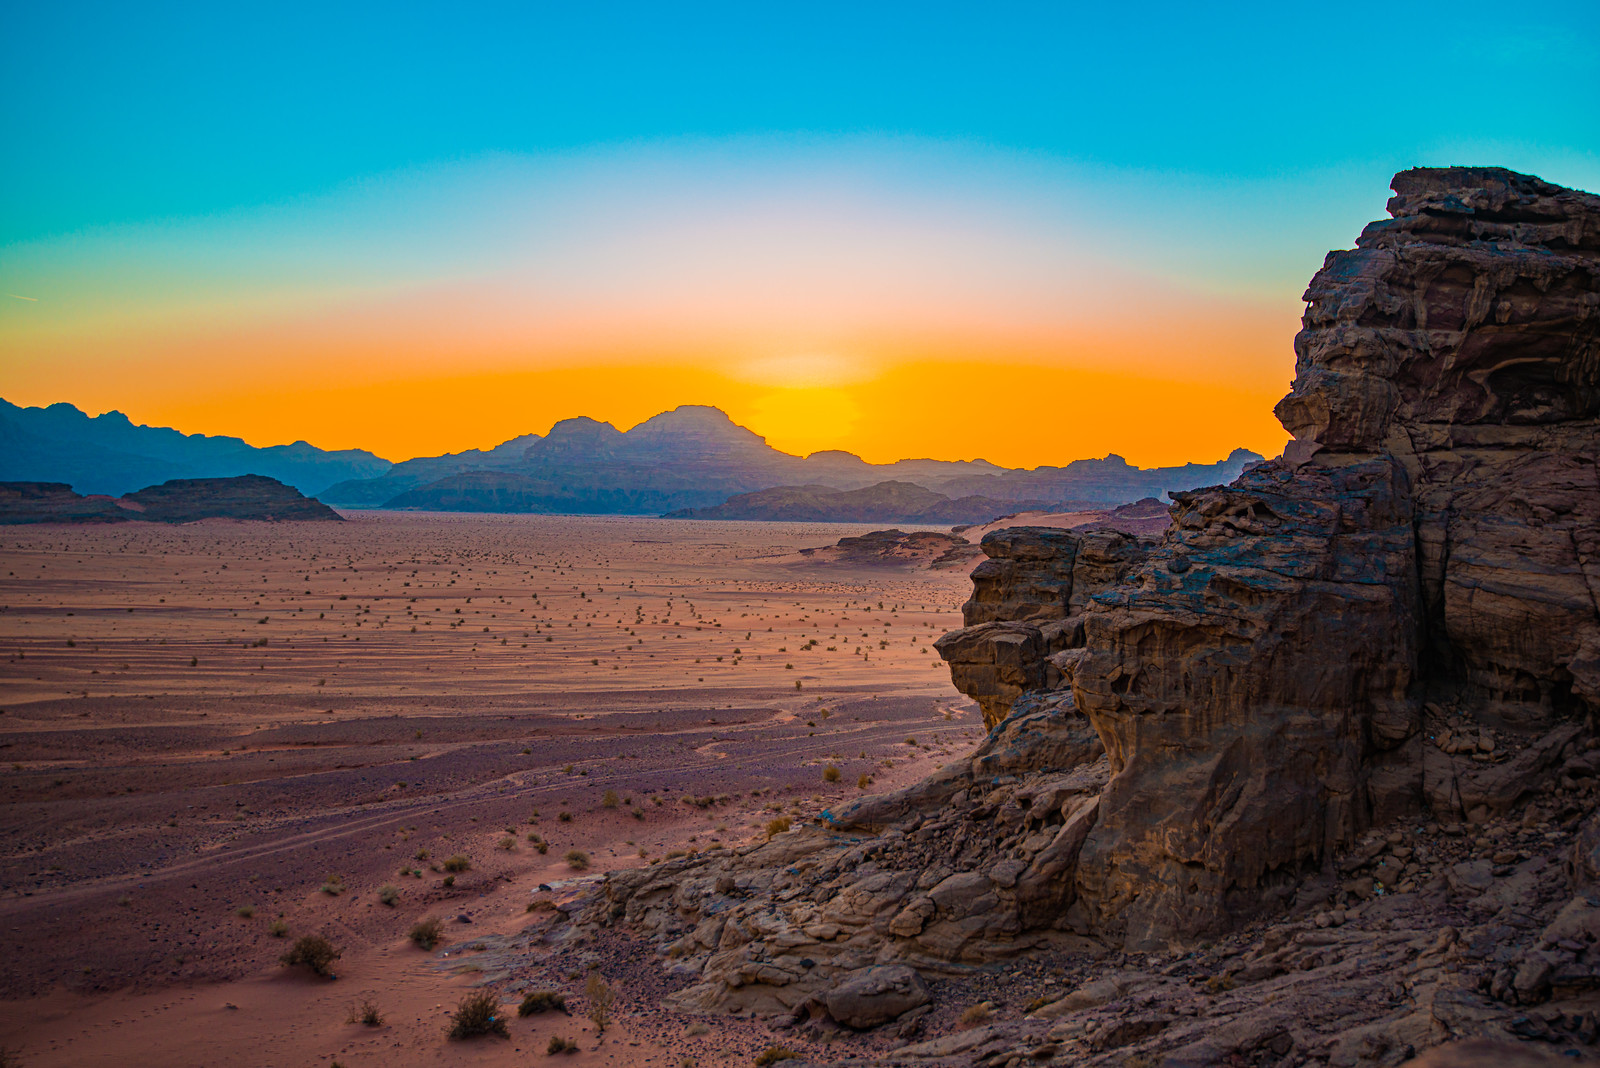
313 221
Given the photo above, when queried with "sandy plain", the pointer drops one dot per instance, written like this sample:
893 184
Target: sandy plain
209 730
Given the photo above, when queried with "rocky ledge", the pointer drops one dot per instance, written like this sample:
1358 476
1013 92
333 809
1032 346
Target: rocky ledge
1309 779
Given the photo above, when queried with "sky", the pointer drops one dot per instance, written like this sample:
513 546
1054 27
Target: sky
1030 233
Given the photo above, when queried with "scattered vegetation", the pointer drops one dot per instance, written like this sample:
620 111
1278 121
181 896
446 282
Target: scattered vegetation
334 886
277 928
830 774
601 998
564 817
313 951
610 799
245 912
366 1013
389 895
538 1001
778 826
774 1054
507 843
560 1045
577 860
478 1014
973 1015
863 782
425 934
457 862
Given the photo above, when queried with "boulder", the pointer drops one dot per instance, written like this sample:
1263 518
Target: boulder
874 996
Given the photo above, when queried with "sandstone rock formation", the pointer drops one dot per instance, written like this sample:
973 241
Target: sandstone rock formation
1396 626
1429 544
1027 609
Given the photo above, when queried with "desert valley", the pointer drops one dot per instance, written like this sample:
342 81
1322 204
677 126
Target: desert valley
209 729
748 536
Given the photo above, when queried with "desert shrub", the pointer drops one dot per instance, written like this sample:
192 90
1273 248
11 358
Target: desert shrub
1220 984
334 886
830 774
1035 1005
313 951
425 934
245 912
543 848
774 1054
564 817
537 1001
601 998
389 895
973 1015
508 843
457 862
610 799
863 782
478 1014
366 1013
449 880
778 826
560 1045
422 854
277 928
577 860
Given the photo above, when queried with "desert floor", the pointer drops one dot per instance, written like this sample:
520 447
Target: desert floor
219 732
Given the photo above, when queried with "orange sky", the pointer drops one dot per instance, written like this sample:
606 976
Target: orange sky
925 316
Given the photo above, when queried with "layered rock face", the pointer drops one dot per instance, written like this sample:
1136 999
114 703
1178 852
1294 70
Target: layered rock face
1398 620
1026 610
1429 543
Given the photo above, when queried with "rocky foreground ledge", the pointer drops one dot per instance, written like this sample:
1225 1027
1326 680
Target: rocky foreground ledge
1311 778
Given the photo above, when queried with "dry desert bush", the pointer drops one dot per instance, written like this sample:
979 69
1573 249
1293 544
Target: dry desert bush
313 951
478 1014
425 934
538 1001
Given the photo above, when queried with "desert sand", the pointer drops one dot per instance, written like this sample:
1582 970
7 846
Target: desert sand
221 736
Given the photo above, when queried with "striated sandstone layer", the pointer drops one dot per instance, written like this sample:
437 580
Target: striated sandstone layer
1397 620
1431 537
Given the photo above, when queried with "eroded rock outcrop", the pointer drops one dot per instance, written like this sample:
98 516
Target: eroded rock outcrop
1026 610
1399 619
1431 536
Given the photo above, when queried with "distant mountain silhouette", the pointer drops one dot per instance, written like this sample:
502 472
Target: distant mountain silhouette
181 500
886 502
108 454
689 458
695 457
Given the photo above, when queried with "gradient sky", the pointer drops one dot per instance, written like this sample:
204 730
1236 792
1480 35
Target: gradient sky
1027 232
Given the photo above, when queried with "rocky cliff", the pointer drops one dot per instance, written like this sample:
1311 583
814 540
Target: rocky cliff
1365 674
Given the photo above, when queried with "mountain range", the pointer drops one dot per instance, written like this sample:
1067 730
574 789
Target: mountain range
109 454
693 457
